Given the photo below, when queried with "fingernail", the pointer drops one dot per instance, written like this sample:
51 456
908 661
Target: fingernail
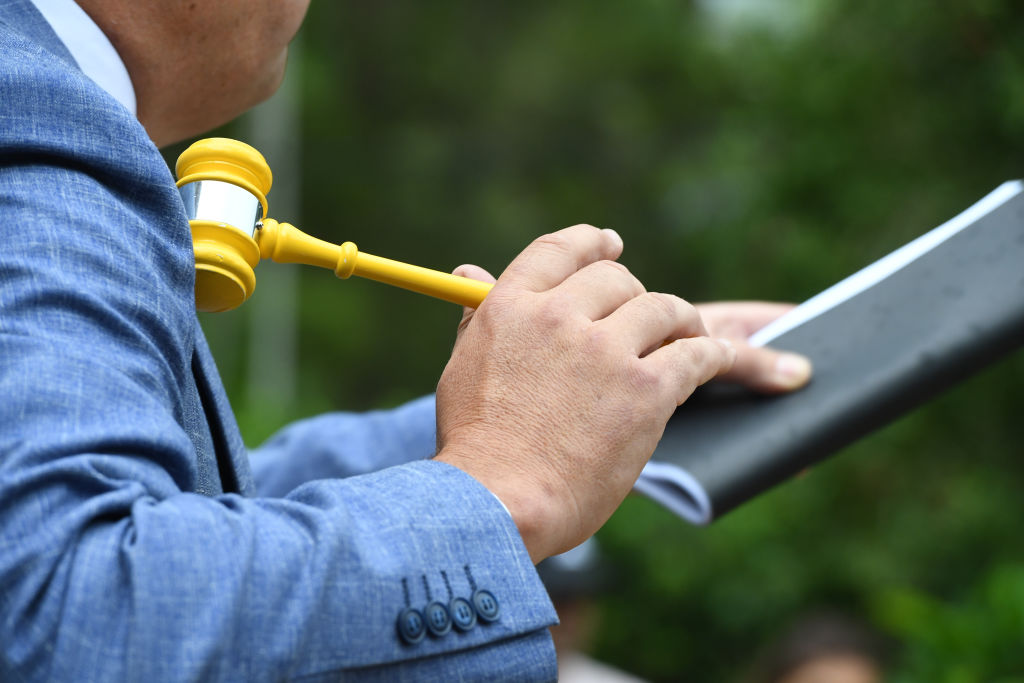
792 370
614 235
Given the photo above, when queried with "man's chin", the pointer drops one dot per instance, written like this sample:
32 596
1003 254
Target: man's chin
272 80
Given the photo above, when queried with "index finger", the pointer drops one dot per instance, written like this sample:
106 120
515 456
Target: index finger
550 259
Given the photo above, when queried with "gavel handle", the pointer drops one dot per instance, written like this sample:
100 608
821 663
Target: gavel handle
458 290
284 243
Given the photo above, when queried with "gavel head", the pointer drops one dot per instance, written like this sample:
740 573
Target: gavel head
224 185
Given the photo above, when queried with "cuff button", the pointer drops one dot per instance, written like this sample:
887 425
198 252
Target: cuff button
411 626
486 605
438 621
463 614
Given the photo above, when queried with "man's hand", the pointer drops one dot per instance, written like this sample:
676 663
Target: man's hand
559 385
761 369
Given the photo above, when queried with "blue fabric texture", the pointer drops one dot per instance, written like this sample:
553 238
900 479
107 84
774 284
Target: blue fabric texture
344 445
134 544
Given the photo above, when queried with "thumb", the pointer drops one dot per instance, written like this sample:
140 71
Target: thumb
473 273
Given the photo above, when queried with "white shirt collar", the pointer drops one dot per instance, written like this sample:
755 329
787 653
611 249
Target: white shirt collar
96 57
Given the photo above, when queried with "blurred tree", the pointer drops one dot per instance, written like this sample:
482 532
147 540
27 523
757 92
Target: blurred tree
974 640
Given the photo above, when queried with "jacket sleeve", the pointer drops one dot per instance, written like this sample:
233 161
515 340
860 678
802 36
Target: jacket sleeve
111 566
343 445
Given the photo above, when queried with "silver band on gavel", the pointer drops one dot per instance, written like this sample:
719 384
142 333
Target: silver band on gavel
220 202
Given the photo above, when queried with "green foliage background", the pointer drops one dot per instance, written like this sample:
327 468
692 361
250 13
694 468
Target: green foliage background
760 155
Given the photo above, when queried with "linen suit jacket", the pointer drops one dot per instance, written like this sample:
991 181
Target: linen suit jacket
134 543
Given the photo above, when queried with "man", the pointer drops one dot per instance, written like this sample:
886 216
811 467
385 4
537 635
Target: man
132 544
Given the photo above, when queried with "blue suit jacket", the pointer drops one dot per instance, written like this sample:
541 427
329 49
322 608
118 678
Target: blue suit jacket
133 545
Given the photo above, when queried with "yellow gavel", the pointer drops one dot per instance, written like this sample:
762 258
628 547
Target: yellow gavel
224 185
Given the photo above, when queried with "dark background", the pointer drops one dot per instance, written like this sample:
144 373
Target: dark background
758 149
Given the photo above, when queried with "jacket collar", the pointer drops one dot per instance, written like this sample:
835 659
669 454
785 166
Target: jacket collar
23 17
90 48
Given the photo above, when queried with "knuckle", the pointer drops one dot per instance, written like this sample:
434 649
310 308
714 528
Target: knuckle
616 268
496 305
687 376
552 311
666 304
620 275
685 308
703 359
691 357
650 395
684 312
597 341
643 378
699 353
558 242
638 286
494 314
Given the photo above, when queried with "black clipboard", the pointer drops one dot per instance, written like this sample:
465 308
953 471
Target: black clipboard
883 341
